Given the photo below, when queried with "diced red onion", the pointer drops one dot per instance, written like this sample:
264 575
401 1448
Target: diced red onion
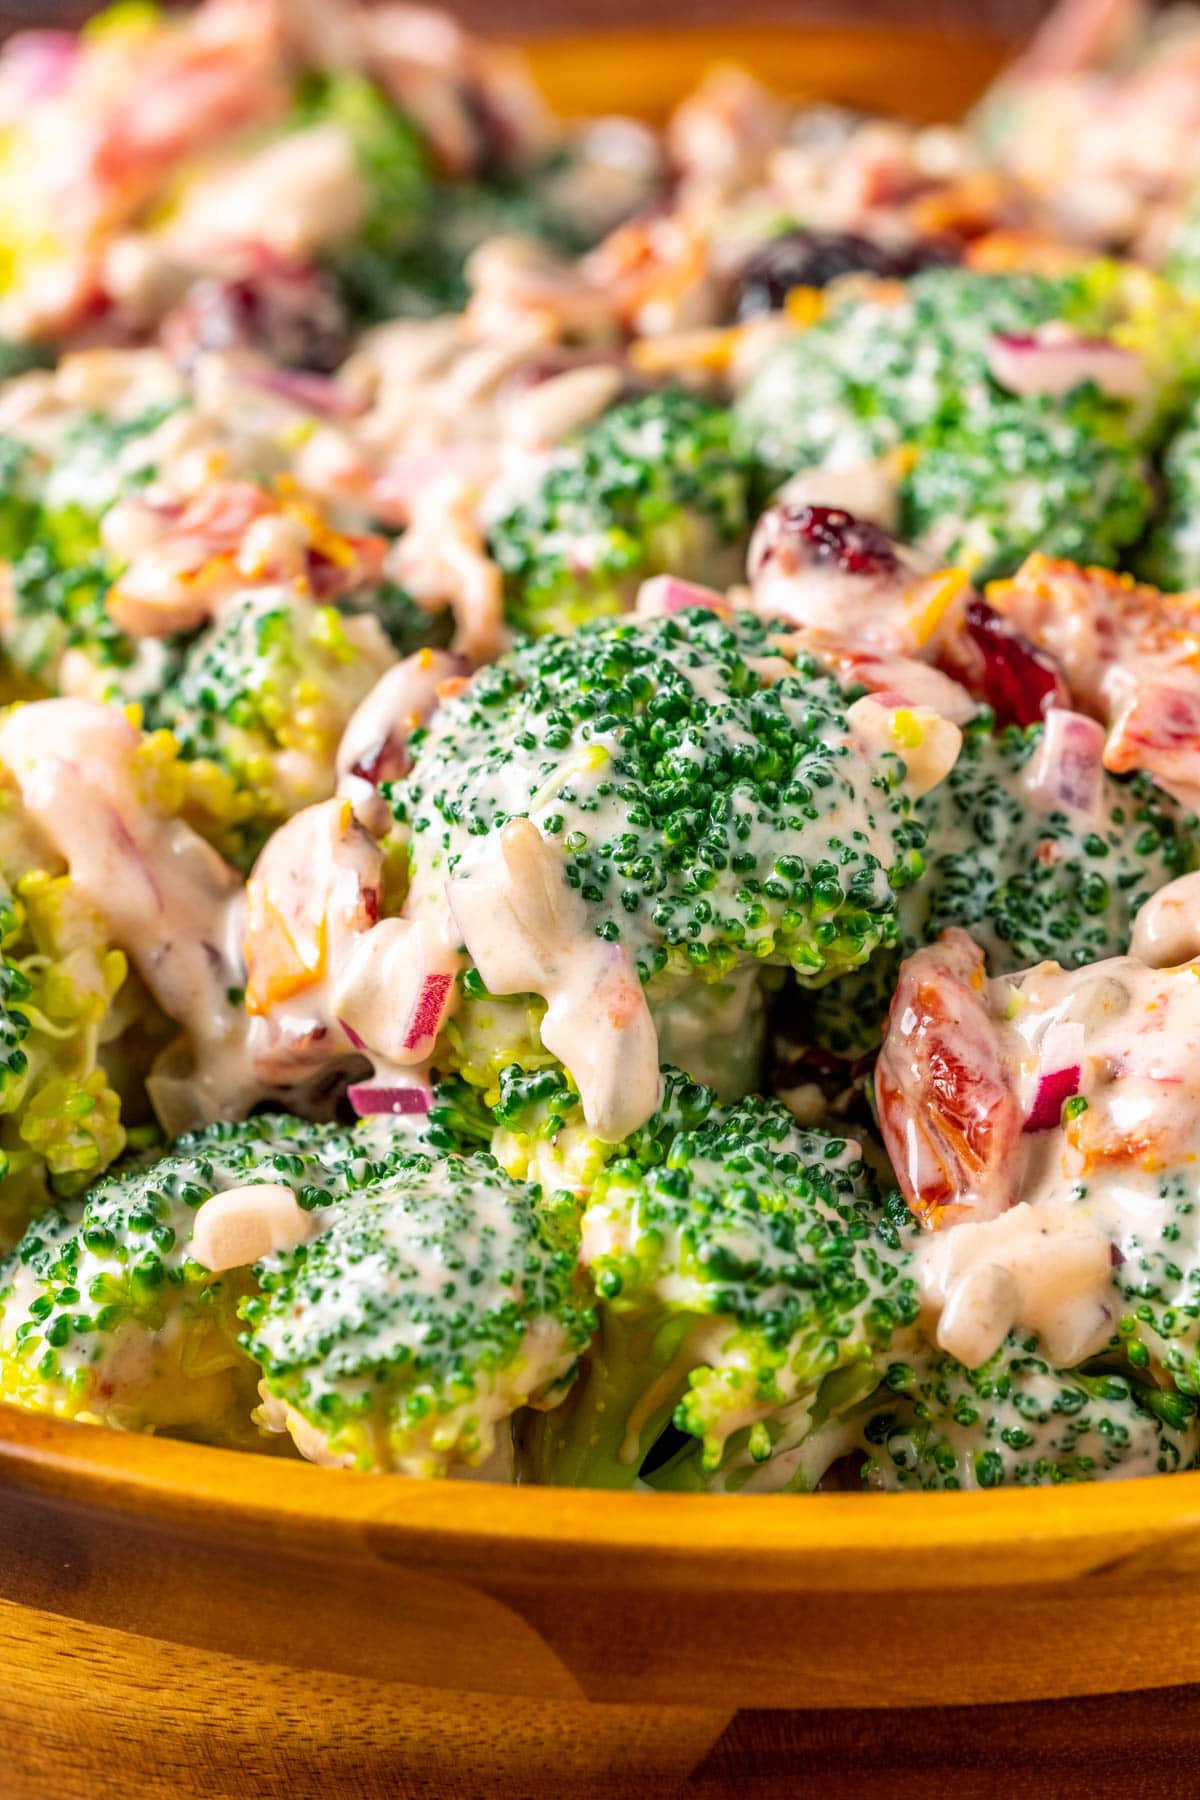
429 1011
352 1035
37 64
1061 1053
315 393
1067 770
664 594
1053 365
369 1099
1053 1090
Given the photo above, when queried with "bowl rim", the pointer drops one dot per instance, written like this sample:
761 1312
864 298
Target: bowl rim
581 1537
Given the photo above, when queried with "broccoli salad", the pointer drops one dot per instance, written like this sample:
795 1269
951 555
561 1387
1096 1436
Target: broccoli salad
599 762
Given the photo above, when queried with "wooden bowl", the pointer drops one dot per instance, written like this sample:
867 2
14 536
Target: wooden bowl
177 1621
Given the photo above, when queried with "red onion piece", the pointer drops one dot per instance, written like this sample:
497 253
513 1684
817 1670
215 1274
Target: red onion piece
1053 1090
1067 769
352 1035
669 594
428 1013
1054 365
369 1100
37 64
314 393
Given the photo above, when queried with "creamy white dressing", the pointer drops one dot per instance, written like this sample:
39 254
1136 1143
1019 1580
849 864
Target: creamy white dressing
527 932
374 745
163 893
1166 931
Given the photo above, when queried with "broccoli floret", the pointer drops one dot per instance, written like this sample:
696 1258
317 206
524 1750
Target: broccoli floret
847 1017
653 486
457 1122
50 515
739 1265
709 816
422 1319
18 504
986 476
104 1313
67 1003
263 696
1033 885
407 625
1171 559
18 359
877 373
1158 1281
1030 885
1017 1421
1063 478
407 259
389 148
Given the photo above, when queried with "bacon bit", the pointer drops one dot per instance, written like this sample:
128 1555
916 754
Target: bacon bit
962 208
1001 252
948 1110
649 264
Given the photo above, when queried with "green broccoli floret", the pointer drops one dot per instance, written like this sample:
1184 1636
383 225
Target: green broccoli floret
875 374
1181 265
654 486
407 625
1063 478
407 259
18 359
708 814
264 695
1030 885
104 1313
1017 1421
986 476
1171 558
389 148
422 1319
743 1277
67 1004
1158 1281
1033 885
50 516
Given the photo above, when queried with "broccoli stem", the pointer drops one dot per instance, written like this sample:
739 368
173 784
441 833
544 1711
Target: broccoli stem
633 1378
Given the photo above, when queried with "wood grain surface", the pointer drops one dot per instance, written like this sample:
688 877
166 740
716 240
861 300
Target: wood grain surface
183 1622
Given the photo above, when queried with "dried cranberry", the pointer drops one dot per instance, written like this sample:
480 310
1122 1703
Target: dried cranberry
1000 667
288 311
803 258
797 536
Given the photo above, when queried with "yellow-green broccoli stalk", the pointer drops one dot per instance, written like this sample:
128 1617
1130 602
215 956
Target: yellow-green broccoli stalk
66 999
